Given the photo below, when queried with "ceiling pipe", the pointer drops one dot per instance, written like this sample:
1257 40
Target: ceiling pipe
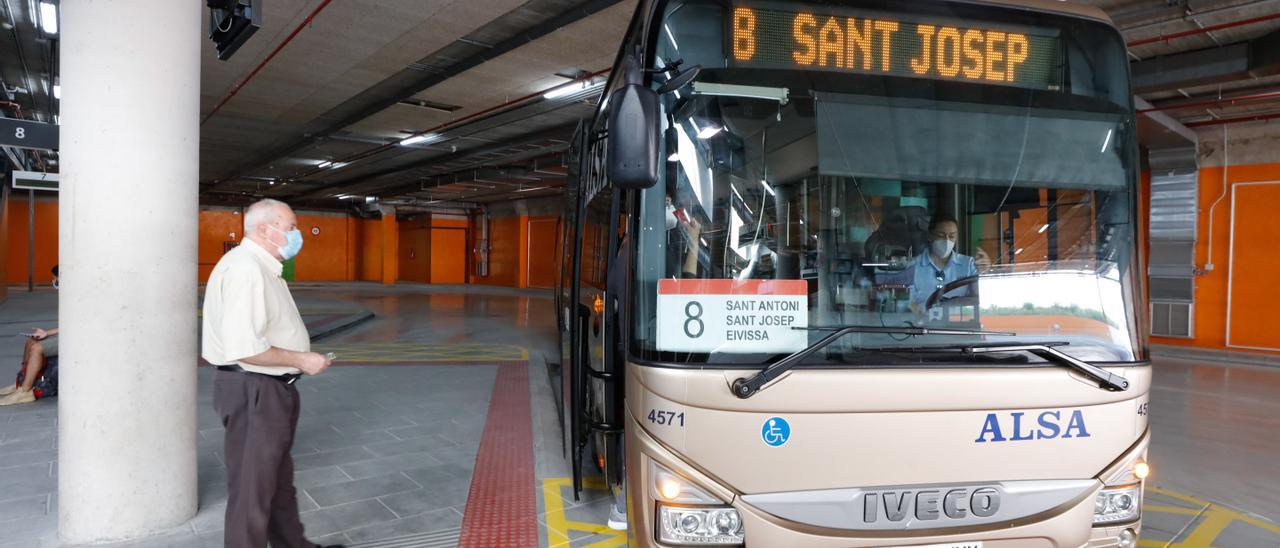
1236 120
1203 30
1189 15
1225 101
236 88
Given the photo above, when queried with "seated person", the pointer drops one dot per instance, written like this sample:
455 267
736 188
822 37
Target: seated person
40 346
940 265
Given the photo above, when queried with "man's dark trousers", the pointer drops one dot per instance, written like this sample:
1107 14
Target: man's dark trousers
260 414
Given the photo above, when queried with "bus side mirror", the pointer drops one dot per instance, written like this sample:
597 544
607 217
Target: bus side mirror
633 137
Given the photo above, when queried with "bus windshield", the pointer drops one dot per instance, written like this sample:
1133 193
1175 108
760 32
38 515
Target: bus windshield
894 165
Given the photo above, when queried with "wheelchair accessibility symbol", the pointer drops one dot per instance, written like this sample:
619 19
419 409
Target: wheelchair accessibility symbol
775 432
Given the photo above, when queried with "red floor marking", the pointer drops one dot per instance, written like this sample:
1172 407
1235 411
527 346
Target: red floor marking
501 507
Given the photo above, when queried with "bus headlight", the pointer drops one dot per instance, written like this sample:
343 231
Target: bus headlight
699 525
689 515
1117 504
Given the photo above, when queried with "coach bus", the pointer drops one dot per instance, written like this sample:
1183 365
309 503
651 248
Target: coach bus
860 273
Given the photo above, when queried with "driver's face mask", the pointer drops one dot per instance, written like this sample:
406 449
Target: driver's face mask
671 216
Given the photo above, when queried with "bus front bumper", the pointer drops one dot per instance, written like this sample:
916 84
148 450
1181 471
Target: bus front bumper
1069 526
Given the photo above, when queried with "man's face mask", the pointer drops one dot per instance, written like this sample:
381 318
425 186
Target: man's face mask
292 245
671 216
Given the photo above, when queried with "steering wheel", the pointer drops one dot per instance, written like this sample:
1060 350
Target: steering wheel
936 296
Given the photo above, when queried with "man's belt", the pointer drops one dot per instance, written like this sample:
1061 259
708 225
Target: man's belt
287 378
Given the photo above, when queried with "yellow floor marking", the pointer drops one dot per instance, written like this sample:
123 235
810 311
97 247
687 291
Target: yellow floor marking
559 524
1171 509
1216 520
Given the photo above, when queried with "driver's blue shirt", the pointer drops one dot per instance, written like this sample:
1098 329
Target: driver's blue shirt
929 278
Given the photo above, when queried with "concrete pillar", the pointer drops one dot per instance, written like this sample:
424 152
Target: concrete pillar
127 308
390 246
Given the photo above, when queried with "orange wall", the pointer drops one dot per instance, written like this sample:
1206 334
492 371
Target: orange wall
390 231
345 249
517 255
369 268
46 238
217 226
324 256
543 232
449 257
415 249
505 244
333 255
1211 288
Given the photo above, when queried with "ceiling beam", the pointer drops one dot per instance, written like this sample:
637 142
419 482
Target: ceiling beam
391 187
1165 120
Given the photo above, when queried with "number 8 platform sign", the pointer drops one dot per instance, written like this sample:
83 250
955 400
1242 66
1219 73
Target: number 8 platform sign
732 316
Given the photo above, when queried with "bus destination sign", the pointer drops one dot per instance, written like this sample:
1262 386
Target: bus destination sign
874 43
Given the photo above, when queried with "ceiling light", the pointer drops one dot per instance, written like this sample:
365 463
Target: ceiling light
420 138
766 186
49 18
1042 229
571 88
57 91
324 164
674 157
709 132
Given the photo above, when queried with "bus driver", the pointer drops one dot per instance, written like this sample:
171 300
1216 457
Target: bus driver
940 265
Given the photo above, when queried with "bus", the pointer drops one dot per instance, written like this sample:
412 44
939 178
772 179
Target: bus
860 273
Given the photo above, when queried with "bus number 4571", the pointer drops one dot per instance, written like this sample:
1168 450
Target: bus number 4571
666 418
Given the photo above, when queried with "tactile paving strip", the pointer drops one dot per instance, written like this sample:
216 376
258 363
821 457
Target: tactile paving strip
501 507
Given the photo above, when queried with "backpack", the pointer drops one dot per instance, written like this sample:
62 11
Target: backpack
47 385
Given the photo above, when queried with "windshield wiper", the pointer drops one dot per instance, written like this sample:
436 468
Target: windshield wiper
746 387
1046 350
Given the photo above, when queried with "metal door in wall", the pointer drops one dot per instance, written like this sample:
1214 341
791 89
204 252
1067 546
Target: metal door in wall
1251 287
448 256
541 253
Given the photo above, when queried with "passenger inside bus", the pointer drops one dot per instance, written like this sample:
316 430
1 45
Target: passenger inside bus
684 233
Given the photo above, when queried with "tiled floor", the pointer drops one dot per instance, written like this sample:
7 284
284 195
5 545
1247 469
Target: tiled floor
387 443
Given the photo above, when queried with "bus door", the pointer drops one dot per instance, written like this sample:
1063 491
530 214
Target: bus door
594 373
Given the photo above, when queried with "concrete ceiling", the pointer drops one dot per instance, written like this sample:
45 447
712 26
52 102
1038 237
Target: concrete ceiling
357 76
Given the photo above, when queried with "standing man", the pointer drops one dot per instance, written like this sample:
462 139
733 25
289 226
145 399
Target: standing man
254 335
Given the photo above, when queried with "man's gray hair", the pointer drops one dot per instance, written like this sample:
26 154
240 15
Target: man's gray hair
262 211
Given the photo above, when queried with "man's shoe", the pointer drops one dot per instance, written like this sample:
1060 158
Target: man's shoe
8 389
17 397
617 519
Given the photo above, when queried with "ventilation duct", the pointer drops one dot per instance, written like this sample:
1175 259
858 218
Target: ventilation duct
1175 191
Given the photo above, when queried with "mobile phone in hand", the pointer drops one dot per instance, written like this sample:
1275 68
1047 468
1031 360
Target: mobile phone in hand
682 215
30 333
